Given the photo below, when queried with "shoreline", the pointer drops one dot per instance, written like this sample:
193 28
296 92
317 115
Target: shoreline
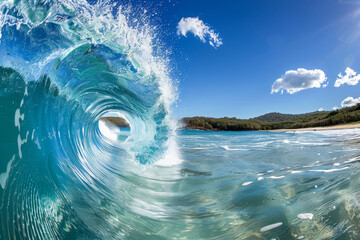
334 127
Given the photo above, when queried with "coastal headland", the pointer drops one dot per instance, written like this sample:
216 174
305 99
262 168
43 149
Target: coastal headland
348 117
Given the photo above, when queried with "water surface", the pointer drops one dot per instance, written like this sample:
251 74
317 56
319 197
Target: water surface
271 185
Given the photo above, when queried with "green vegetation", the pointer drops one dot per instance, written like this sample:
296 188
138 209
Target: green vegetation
277 117
273 121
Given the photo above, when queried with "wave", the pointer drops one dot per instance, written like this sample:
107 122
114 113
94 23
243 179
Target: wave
64 65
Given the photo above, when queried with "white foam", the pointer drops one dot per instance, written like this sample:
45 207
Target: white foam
4 176
172 156
21 142
33 134
276 177
308 216
227 148
304 143
247 183
329 170
271 226
353 160
18 116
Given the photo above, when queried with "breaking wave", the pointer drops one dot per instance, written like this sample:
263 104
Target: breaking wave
63 66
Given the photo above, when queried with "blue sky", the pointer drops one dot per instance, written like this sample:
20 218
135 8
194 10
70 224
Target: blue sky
262 40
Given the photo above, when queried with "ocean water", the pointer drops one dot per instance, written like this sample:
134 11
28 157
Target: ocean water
271 185
65 174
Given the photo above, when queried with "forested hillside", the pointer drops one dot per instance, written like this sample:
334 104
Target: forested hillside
277 117
273 121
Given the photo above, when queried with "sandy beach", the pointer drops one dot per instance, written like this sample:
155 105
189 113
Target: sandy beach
335 127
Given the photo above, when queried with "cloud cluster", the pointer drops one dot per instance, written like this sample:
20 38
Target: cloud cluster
199 29
350 101
350 78
296 80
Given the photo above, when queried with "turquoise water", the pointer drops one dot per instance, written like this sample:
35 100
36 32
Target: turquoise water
65 174
262 185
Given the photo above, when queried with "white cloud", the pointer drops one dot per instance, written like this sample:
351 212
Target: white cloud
350 101
350 78
335 108
199 29
320 110
296 80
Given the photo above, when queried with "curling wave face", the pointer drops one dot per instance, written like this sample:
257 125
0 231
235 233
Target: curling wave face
64 65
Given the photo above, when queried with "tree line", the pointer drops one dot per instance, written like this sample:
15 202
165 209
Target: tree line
274 121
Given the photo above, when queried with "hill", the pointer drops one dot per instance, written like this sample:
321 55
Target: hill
116 121
277 117
273 121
